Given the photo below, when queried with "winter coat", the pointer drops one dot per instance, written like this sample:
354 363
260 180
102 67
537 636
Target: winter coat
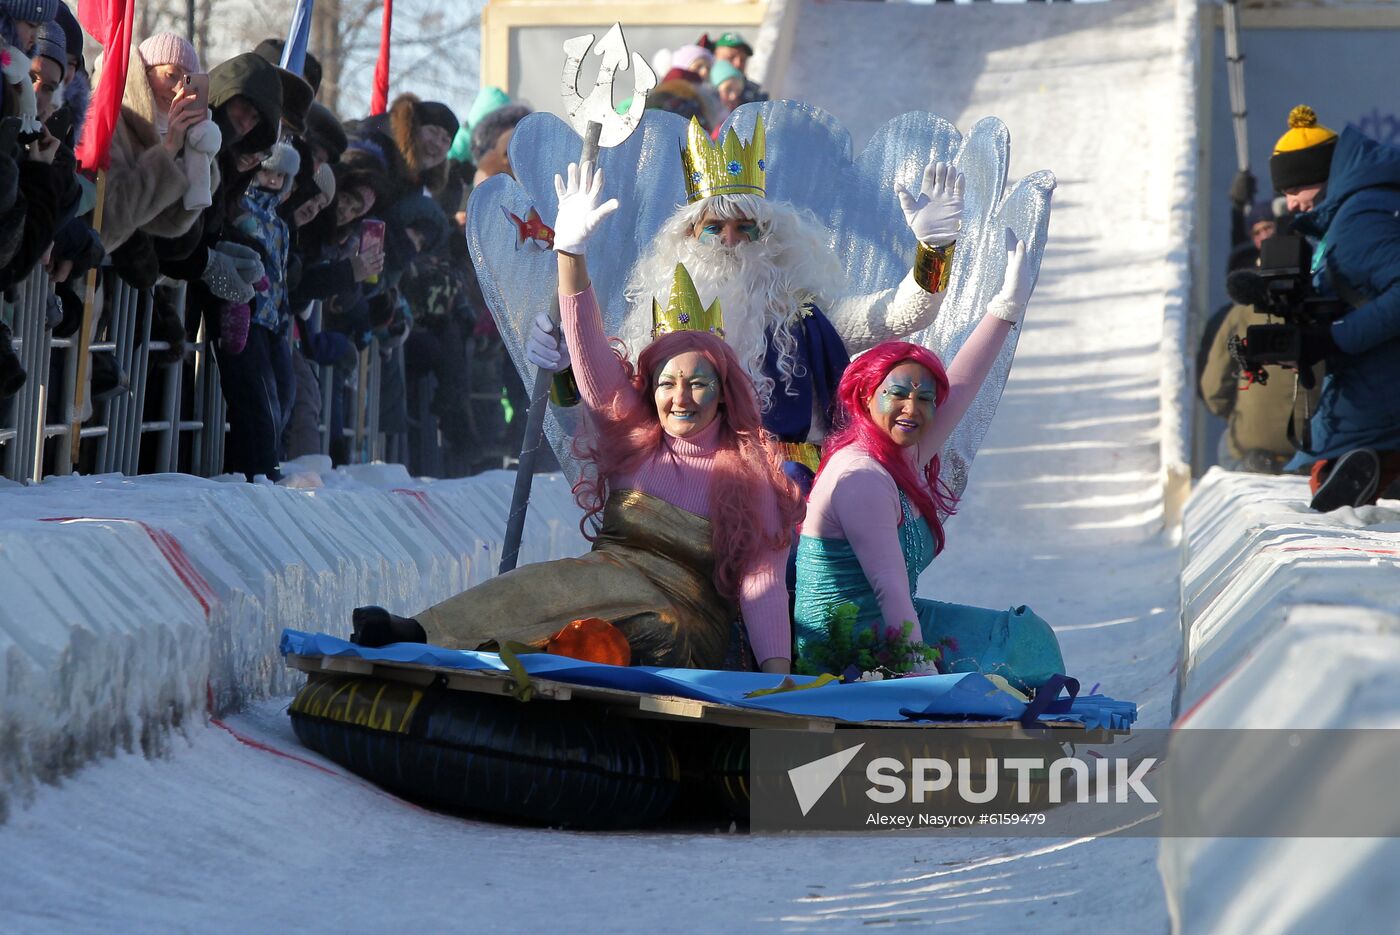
28 228
248 76
145 184
1258 414
1357 258
263 224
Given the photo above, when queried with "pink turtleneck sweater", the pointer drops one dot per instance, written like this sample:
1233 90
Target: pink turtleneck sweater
679 473
856 499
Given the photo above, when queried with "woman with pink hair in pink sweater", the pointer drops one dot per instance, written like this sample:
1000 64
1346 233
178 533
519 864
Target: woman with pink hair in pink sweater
875 516
690 514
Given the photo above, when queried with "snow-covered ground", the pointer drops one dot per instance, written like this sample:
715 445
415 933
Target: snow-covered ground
237 828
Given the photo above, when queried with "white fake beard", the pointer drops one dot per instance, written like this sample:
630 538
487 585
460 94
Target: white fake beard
753 296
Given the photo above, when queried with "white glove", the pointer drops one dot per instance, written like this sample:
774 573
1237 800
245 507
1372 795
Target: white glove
16 72
579 211
204 137
935 216
1016 285
545 347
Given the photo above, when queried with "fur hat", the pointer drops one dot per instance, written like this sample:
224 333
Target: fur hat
436 114
283 158
490 128
1303 155
167 48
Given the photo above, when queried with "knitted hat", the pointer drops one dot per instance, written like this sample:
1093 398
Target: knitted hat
72 34
52 44
30 11
167 48
283 158
436 114
325 180
488 99
722 72
1303 155
688 55
1262 211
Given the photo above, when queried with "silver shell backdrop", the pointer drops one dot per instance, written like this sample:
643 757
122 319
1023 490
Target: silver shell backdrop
809 164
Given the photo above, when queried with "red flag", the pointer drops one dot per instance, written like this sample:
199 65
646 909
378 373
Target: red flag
109 22
380 101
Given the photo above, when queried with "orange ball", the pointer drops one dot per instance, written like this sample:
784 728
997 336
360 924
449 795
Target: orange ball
592 639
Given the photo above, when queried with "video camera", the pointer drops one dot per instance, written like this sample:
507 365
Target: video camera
1281 287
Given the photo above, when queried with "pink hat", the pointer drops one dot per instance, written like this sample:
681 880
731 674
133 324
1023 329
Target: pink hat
167 48
687 55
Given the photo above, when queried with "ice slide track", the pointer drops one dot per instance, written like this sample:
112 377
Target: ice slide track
1063 511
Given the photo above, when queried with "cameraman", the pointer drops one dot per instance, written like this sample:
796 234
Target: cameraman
1347 189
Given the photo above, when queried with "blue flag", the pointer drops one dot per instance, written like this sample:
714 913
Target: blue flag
294 54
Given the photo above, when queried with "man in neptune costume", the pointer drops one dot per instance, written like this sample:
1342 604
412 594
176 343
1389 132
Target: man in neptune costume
815 256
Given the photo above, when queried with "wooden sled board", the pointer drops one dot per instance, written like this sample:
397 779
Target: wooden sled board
623 702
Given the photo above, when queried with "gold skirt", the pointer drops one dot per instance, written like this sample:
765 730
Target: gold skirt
651 574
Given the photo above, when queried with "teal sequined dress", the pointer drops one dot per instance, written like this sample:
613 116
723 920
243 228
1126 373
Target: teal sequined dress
829 575
1015 643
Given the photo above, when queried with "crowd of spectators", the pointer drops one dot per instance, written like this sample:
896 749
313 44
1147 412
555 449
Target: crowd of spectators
298 239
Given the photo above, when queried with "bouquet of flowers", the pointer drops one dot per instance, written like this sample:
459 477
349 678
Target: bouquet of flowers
868 656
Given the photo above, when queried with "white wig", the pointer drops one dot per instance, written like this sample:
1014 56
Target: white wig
761 285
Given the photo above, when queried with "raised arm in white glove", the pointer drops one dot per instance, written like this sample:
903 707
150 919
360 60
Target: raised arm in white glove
579 210
1016 285
579 216
935 213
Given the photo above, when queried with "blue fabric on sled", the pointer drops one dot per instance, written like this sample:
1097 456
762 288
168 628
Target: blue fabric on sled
950 697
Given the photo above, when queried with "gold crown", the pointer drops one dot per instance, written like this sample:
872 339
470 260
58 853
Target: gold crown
725 168
683 311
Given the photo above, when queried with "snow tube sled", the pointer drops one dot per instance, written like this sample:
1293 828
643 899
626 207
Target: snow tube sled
555 764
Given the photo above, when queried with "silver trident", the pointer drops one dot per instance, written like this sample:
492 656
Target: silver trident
593 118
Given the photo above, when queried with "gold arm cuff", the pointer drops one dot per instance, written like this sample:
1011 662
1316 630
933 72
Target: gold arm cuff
932 266
563 389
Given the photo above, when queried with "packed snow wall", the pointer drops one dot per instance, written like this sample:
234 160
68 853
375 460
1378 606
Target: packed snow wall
132 604
1289 621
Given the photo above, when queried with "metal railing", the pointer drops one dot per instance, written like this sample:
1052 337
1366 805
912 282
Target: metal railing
171 417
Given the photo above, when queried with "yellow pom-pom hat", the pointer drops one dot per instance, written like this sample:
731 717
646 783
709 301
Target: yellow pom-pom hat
1303 155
